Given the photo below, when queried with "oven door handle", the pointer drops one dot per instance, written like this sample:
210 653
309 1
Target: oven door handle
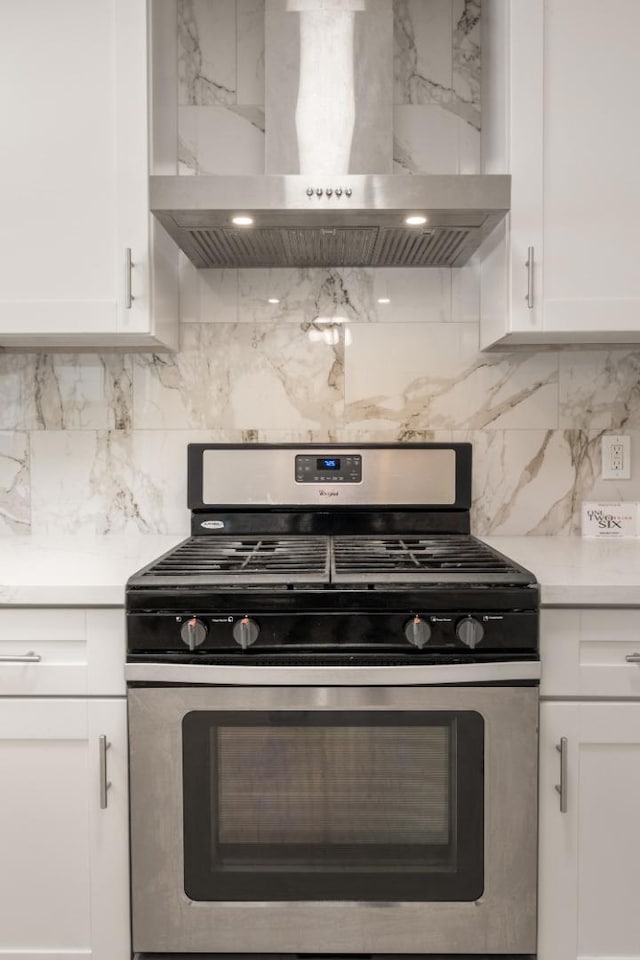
457 674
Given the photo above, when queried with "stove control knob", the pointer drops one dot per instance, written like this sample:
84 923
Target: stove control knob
470 631
193 633
245 632
417 631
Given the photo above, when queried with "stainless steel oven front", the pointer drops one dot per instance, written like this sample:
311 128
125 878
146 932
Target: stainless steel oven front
292 815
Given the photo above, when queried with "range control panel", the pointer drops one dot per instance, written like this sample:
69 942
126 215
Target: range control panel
322 633
329 469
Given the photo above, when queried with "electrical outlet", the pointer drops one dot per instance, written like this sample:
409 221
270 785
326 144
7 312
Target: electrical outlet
616 458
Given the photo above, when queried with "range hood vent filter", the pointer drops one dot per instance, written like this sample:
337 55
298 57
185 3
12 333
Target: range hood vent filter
283 247
324 247
440 247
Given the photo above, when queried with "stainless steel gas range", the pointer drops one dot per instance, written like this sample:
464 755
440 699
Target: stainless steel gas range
333 703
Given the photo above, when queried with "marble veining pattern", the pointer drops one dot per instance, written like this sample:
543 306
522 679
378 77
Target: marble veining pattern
206 52
466 61
15 508
15 385
99 495
422 51
80 391
444 382
305 296
437 55
600 389
221 121
428 139
520 478
66 467
219 140
239 376
533 482
65 391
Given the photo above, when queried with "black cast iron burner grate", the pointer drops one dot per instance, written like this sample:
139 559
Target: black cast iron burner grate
420 559
246 560
319 561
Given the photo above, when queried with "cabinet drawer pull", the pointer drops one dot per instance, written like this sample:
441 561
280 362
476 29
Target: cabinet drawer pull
128 265
562 786
28 657
529 265
633 658
103 745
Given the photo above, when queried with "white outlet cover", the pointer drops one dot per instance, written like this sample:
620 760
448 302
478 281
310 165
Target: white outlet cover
609 470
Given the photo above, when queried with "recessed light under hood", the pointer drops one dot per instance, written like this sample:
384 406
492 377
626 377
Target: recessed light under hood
364 229
328 196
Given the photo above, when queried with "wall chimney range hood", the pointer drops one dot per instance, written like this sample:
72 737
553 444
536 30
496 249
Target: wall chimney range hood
328 197
358 221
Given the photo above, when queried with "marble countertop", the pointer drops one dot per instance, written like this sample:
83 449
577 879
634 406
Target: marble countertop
92 571
74 571
577 572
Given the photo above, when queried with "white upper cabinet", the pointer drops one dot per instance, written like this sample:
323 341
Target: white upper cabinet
74 165
561 88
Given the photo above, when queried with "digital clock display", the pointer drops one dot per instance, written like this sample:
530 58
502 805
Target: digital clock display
310 468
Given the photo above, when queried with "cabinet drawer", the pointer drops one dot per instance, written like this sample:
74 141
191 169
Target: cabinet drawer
584 653
58 651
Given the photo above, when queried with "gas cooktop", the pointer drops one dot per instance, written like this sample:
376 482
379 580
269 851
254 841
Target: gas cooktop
300 553
330 561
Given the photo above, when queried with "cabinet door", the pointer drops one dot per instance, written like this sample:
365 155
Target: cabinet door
74 164
591 161
560 93
512 119
589 856
64 862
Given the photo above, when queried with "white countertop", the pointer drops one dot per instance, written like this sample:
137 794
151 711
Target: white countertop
573 571
74 571
92 571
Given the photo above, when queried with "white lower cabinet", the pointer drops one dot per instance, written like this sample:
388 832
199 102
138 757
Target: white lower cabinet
64 861
64 857
589 883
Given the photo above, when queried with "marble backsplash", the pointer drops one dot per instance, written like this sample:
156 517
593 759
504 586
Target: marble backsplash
97 443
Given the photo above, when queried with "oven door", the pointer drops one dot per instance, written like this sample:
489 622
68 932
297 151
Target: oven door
325 820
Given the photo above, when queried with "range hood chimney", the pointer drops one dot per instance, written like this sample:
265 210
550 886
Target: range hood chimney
329 197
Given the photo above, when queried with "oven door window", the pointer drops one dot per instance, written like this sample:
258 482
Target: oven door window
333 806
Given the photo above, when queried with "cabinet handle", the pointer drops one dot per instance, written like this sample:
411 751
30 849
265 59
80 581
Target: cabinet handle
529 265
29 657
104 745
562 786
128 265
633 658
